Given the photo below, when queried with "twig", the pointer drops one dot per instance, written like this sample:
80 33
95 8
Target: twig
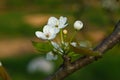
3 74
104 46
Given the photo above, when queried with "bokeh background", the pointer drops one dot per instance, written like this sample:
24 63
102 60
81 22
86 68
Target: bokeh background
19 19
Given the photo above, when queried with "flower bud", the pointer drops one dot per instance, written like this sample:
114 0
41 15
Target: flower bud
65 31
78 25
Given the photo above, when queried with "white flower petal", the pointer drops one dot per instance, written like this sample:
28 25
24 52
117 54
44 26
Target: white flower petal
56 46
50 29
56 30
51 37
51 56
40 34
62 22
49 32
52 21
46 29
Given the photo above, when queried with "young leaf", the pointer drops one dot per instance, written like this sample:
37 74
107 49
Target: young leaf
84 51
72 54
86 44
43 47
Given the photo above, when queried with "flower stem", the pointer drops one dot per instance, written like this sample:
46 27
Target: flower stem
73 36
61 36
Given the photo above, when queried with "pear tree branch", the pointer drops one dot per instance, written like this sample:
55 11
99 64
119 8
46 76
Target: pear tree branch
108 43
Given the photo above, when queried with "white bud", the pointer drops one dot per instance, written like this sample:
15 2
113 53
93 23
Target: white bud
78 25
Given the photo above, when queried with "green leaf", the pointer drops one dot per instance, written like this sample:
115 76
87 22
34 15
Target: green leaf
43 47
84 51
86 44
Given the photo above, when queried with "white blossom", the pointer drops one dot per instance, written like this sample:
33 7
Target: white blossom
47 34
57 23
78 25
51 56
62 22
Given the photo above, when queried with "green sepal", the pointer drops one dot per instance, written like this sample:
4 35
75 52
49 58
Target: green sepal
42 47
84 51
72 54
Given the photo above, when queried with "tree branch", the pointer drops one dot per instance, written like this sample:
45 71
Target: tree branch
104 46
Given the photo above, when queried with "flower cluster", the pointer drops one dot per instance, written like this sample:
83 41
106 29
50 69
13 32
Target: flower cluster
50 31
52 28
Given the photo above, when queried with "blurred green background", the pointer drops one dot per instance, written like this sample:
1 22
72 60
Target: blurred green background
19 19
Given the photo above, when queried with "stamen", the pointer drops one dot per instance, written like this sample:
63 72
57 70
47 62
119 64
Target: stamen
57 23
47 35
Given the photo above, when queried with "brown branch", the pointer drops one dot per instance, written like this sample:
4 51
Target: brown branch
3 74
104 46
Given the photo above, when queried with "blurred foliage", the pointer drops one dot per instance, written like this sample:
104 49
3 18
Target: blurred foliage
32 2
17 67
12 25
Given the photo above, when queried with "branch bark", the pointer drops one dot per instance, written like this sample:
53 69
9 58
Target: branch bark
108 43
